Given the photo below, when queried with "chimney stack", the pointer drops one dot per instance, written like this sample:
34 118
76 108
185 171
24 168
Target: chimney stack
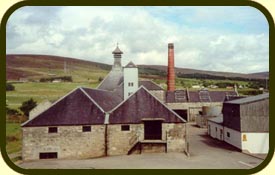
171 69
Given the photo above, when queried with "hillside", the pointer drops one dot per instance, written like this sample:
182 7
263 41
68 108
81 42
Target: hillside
260 75
37 66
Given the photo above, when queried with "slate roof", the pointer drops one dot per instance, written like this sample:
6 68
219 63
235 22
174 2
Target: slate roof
111 81
218 120
117 51
249 99
200 96
142 105
178 96
76 108
107 100
149 85
131 65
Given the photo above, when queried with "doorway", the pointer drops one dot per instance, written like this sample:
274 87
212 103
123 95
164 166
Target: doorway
152 130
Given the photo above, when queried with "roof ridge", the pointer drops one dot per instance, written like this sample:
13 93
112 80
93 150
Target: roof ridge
92 100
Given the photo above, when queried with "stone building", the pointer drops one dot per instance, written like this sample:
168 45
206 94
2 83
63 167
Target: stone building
105 121
123 115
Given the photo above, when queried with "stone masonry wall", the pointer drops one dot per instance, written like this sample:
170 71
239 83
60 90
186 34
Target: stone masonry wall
120 142
69 142
192 108
175 136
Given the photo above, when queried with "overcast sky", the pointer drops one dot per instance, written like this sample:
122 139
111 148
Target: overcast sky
233 39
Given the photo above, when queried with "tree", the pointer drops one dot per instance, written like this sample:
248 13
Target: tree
100 79
9 87
27 106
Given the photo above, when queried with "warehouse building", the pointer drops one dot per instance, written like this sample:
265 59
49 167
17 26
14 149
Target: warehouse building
245 124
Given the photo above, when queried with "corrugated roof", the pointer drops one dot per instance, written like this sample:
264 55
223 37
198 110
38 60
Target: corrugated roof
73 109
142 105
149 85
218 120
249 99
215 96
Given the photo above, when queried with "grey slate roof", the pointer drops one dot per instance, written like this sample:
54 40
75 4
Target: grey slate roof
218 120
111 81
199 96
131 65
249 99
178 96
142 105
117 51
107 100
149 85
74 109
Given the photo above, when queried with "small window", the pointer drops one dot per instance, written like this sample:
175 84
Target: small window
49 155
216 129
130 84
52 129
86 128
125 127
228 134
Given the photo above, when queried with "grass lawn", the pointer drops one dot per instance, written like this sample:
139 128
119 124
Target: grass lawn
13 137
41 91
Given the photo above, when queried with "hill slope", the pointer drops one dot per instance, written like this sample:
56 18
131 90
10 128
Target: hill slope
37 66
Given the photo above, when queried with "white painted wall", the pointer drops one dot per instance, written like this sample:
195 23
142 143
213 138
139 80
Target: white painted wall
255 142
215 130
235 138
130 76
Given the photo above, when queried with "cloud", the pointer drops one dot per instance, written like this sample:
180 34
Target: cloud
216 38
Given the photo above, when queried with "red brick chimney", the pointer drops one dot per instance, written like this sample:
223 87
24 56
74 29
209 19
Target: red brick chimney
171 69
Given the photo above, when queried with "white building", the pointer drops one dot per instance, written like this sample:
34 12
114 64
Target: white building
245 124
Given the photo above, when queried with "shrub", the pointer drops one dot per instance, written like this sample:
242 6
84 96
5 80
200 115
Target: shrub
27 106
9 87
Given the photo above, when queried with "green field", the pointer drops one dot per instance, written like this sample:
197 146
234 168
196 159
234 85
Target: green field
13 137
40 91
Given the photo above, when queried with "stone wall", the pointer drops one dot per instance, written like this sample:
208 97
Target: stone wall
192 108
69 142
175 135
120 142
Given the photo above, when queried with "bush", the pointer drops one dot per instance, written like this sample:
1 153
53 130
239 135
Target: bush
9 87
50 79
27 106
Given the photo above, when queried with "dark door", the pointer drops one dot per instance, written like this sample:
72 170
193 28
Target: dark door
152 130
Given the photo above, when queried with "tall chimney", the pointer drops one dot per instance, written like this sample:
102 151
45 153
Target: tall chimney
171 69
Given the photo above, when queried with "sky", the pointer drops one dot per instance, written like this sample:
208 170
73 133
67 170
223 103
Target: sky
228 39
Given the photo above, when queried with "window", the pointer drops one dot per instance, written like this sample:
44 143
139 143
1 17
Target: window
228 134
49 155
216 129
130 84
125 127
52 130
86 128
130 93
